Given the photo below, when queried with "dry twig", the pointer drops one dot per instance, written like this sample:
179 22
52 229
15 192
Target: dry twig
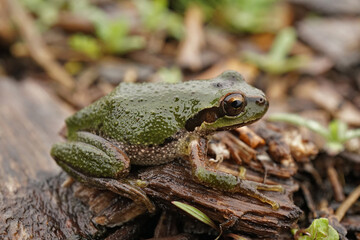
335 183
350 200
190 49
36 45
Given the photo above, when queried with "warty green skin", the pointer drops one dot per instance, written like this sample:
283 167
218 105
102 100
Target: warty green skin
149 113
147 121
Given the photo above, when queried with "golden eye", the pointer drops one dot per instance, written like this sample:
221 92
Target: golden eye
233 104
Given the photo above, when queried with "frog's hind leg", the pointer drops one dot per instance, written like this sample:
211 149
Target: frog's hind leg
93 160
225 181
125 188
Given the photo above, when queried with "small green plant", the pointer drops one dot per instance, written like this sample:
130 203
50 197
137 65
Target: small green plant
170 75
250 15
207 6
196 213
85 44
112 34
46 11
87 10
277 60
335 135
156 16
199 215
318 230
115 37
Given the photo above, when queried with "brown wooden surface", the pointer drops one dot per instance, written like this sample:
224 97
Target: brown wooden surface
29 123
34 205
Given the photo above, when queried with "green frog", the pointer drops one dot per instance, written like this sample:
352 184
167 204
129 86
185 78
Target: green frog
155 123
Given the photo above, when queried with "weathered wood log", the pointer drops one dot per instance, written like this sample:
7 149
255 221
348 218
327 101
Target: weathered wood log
33 203
29 123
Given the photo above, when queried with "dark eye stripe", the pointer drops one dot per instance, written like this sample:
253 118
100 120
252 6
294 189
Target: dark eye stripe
208 115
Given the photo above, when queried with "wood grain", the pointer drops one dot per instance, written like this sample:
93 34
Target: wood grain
29 123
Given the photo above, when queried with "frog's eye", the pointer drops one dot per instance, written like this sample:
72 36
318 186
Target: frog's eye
233 104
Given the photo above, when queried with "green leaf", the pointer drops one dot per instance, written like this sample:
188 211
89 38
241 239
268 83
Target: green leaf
354 133
46 11
87 10
300 121
170 75
114 35
156 16
336 134
276 61
337 130
283 43
254 16
85 44
196 213
319 230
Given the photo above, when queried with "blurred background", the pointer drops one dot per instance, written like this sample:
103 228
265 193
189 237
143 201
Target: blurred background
290 49
304 54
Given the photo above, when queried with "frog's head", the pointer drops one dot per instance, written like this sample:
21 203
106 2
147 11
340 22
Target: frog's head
234 104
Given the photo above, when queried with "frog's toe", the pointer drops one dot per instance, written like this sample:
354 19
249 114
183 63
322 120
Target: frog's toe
272 188
252 189
123 187
127 189
275 205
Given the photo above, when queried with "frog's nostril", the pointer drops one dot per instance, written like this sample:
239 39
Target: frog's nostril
261 101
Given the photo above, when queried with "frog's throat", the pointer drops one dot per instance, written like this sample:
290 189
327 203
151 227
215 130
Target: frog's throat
235 125
206 129
201 125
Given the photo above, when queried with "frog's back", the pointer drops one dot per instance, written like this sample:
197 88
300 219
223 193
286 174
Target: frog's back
148 113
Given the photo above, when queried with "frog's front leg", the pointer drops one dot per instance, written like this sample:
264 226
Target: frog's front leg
222 180
97 162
